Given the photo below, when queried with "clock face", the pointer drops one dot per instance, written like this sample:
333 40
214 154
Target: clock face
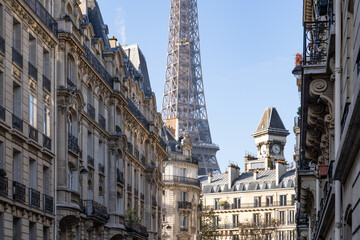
276 148
263 149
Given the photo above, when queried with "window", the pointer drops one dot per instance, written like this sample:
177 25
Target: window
2 155
141 184
217 203
291 235
281 235
183 172
256 219
269 201
235 237
32 110
46 180
17 100
2 88
17 228
268 219
17 166
16 35
293 199
235 220
2 226
32 50
129 174
257 201
184 224
291 216
268 236
237 203
101 153
1 20
46 233
216 221
32 231
33 174
46 121
120 205
183 196
46 64
281 217
282 200
135 179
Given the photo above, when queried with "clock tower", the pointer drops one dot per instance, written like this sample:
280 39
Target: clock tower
270 138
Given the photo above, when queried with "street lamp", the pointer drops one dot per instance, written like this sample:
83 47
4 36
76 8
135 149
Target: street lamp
297 71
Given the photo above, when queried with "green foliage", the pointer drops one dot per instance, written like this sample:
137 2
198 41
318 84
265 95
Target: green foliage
132 217
223 203
207 225
118 128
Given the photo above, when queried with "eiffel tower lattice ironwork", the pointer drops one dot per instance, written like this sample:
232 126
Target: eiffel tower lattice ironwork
183 106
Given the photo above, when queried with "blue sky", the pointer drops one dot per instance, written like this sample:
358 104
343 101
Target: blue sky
248 51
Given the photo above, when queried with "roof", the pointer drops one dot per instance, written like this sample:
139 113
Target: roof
271 121
246 182
95 18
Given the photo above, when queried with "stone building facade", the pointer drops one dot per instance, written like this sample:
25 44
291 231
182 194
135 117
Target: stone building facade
328 158
181 209
80 145
260 202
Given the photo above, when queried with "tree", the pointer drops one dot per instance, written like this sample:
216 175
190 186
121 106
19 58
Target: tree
208 225
261 228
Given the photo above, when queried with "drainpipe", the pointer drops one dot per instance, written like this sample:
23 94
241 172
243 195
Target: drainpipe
337 113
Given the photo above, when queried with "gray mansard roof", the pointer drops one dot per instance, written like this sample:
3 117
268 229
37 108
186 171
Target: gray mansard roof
246 182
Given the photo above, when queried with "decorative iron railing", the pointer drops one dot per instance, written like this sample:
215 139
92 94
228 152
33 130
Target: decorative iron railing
33 71
181 180
90 161
34 198
101 168
95 210
48 203
137 113
98 66
229 206
17 57
73 144
184 205
33 133
3 186
46 84
135 227
120 176
2 44
316 39
43 14
19 192
71 84
91 111
2 113
47 142
17 122
102 121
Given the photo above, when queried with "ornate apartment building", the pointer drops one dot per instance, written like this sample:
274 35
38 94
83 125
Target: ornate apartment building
181 210
328 164
80 138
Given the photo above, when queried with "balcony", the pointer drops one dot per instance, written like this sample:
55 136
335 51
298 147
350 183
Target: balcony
316 39
73 144
34 198
2 113
181 180
120 177
47 142
90 161
184 205
247 206
17 57
137 113
17 123
137 228
91 111
33 133
71 85
43 14
19 192
102 121
3 186
48 203
46 84
130 147
101 168
2 44
95 210
33 71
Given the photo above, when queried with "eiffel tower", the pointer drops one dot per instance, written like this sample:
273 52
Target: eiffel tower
183 106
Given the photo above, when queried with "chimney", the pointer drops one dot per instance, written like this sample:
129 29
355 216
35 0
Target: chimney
255 175
233 173
280 168
113 42
210 177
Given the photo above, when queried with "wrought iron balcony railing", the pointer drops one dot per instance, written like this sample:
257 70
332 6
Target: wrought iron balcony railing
73 144
33 71
17 57
102 121
316 39
47 142
137 113
98 66
2 44
90 161
184 205
43 14
17 123
120 176
181 180
19 192
46 84
33 133
135 227
34 198
101 168
247 205
3 186
95 210
91 111
2 113
71 85
48 203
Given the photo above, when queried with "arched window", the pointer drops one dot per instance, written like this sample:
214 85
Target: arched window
72 177
71 72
